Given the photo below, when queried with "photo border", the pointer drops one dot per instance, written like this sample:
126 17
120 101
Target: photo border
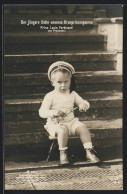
124 99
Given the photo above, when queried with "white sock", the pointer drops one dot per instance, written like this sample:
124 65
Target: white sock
87 145
64 148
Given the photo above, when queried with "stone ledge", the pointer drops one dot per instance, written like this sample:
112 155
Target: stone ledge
118 20
36 79
100 130
11 167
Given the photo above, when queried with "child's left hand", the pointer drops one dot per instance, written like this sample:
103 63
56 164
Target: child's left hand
84 106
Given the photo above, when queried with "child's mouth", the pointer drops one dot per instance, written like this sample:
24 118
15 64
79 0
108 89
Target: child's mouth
63 89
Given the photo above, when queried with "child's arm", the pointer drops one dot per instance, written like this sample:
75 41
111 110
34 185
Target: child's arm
44 110
81 103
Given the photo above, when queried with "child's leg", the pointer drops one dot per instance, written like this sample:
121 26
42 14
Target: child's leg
62 137
85 137
84 134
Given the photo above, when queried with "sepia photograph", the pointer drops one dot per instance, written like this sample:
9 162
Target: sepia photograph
63 83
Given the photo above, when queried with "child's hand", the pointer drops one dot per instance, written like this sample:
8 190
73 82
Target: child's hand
84 106
59 113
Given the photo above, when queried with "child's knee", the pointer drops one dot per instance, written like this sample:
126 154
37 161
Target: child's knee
63 130
82 130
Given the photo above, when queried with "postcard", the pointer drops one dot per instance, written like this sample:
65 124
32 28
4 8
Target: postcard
63 70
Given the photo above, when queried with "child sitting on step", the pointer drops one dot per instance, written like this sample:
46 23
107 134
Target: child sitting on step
58 108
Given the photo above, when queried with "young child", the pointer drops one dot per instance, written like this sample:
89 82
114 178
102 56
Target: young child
58 108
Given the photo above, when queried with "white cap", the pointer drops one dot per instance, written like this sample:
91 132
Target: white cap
60 65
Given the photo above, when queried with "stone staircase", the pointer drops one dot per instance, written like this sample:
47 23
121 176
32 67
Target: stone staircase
28 54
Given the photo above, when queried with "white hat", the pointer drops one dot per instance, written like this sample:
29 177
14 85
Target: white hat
60 65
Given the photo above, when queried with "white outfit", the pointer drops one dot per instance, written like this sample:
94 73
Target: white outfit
64 102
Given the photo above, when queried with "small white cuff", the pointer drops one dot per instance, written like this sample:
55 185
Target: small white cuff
87 145
65 148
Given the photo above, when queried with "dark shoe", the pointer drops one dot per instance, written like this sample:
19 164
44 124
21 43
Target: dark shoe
64 157
91 155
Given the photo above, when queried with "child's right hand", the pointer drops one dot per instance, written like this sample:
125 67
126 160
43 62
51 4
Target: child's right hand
58 113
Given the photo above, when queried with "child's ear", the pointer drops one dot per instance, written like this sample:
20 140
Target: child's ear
52 83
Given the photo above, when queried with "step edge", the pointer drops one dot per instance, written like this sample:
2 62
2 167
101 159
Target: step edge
57 54
12 102
21 169
95 73
91 129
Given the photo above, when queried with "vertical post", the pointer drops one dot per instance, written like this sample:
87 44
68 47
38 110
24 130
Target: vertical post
113 28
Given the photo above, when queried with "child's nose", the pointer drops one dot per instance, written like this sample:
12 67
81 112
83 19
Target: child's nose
63 84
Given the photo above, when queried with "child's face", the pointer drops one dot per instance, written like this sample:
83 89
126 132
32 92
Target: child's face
61 81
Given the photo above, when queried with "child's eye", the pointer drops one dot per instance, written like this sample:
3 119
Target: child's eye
59 82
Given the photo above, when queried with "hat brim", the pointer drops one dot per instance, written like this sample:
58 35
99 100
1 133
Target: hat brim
60 65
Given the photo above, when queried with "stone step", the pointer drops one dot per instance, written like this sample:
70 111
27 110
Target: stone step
92 114
15 132
86 95
32 43
36 63
46 9
93 97
38 126
23 166
23 91
19 84
36 79
59 11
102 105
